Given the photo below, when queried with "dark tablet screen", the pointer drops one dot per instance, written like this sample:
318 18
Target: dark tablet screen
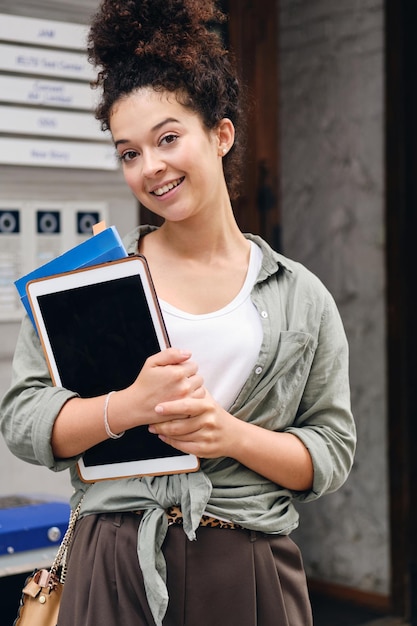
101 335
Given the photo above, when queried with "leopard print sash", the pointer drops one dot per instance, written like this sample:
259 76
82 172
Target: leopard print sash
175 517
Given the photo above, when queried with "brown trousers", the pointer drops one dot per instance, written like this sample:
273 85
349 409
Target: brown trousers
230 577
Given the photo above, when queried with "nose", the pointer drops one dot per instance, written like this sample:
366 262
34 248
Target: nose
152 163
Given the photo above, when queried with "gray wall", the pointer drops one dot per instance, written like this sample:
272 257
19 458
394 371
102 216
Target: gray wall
331 90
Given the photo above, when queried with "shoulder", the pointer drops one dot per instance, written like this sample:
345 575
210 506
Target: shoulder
131 239
287 271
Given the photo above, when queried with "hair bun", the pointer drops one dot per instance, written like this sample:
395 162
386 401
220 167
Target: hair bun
161 28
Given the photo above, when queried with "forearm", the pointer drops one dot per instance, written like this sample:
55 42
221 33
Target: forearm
80 423
78 426
281 457
210 432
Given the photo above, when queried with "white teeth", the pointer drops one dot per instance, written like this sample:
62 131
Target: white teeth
166 188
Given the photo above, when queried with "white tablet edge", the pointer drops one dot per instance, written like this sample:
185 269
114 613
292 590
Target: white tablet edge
167 465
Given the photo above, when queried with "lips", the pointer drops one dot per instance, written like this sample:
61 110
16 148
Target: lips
161 191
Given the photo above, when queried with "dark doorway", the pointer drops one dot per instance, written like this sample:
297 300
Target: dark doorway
401 220
253 38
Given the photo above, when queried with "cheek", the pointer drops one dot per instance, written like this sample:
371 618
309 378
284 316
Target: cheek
200 164
131 177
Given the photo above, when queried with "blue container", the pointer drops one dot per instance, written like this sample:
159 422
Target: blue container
31 523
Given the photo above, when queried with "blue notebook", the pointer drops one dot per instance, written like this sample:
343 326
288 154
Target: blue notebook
101 248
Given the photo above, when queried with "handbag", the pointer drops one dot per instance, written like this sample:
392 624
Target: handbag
41 595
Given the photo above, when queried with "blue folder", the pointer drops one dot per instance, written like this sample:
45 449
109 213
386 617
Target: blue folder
101 248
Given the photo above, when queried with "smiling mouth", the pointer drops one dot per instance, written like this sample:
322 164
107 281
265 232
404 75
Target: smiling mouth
163 190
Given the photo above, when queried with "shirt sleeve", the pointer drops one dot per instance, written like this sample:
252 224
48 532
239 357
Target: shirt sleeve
324 420
29 408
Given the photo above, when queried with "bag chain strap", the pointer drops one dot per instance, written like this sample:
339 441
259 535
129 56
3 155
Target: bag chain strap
60 561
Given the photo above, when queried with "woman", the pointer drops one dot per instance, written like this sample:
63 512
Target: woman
256 384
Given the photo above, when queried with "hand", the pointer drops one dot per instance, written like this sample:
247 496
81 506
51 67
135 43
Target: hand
198 425
209 431
167 375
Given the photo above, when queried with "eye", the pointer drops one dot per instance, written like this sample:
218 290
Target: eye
168 139
127 156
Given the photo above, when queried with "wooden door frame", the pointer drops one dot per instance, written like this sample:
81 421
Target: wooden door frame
253 39
401 229
251 34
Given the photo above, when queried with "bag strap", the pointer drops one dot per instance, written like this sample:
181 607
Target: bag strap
61 556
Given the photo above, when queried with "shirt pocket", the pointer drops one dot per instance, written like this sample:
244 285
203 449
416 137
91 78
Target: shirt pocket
277 397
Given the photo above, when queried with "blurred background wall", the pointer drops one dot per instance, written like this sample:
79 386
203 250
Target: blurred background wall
332 177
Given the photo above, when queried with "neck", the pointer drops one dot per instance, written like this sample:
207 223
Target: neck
202 239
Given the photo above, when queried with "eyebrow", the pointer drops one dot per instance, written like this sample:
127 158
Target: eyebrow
168 120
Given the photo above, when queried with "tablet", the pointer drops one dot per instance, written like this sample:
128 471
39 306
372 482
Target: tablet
97 327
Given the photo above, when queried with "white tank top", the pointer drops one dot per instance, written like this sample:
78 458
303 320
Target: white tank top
224 343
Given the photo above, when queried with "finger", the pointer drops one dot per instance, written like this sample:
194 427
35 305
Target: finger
183 428
177 359
199 393
188 368
187 447
196 384
182 407
170 356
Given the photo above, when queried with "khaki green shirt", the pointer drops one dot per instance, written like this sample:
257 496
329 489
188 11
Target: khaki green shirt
299 385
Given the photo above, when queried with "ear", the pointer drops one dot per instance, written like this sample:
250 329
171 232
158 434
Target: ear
225 134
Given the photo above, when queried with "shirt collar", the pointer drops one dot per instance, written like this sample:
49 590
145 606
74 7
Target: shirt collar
272 261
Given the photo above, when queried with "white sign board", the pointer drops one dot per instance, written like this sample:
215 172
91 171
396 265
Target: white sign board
43 71
27 60
68 154
25 121
51 93
32 233
42 32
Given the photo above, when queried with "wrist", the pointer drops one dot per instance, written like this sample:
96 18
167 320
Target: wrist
123 411
109 432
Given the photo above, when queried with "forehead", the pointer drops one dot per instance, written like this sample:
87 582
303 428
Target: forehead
147 107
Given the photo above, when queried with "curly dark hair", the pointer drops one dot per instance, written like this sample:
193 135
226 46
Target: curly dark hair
169 45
